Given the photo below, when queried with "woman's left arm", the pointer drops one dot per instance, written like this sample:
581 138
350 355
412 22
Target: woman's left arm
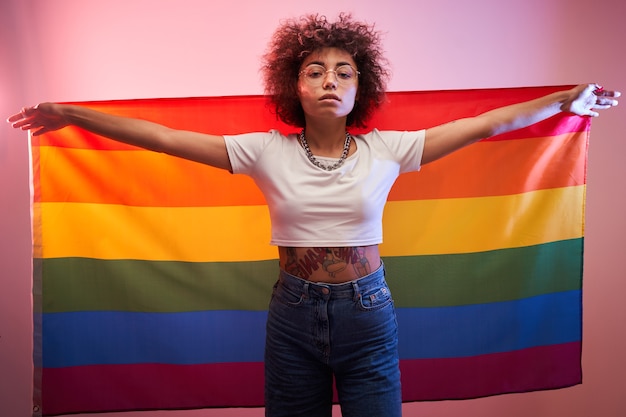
583 100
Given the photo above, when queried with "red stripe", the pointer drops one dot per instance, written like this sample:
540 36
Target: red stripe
532 369
422 109
231 115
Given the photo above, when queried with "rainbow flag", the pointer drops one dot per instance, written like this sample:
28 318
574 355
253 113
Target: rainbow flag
152 274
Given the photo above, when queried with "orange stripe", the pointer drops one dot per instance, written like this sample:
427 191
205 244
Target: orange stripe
143 178
497 168
138 178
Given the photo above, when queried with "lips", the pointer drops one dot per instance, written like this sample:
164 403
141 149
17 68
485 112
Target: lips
330 97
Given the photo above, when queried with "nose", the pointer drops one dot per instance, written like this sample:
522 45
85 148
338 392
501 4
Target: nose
330 81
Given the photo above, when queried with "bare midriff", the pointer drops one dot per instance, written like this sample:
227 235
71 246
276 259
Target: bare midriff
330 265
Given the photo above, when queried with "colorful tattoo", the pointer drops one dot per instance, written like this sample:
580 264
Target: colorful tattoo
331 260
362 265
291 266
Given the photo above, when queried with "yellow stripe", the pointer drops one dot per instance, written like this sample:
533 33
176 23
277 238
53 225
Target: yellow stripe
466 225
242 233
195 234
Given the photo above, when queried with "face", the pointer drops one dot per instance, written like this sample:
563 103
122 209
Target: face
324 95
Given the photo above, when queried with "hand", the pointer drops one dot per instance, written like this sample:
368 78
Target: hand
587 98
40 119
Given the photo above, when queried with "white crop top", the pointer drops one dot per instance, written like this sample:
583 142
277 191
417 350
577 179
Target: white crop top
311 207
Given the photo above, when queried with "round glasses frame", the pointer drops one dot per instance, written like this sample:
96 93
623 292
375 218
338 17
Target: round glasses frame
315 74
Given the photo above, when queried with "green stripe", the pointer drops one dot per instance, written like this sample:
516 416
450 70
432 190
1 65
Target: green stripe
500 275
77 284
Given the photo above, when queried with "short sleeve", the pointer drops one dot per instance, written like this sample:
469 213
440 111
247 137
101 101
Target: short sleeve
245 150
406 147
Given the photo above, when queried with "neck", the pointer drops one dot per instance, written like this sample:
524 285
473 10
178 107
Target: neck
326 139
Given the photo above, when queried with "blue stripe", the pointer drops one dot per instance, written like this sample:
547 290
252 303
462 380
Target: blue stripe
109 337
104 337
447 332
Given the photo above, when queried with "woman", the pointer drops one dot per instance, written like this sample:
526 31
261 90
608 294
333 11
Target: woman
331 314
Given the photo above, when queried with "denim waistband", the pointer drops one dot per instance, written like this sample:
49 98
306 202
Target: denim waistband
350 289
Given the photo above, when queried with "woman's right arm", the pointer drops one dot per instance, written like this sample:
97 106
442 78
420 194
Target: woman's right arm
199 147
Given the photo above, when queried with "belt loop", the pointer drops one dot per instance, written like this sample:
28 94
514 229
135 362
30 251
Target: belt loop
357 292
305 289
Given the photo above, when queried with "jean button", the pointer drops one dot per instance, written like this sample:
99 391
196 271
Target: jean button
325 291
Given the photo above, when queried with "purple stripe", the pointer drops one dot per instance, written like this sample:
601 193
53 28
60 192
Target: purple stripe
101 388
537 368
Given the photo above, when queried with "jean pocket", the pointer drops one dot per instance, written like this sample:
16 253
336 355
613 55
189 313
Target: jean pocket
376 299
286 296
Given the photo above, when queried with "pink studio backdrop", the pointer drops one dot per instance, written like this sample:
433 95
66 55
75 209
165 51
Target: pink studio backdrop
72 50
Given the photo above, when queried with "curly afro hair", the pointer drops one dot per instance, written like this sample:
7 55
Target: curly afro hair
295 39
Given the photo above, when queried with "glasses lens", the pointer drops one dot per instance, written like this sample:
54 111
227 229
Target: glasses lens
315 73
345 73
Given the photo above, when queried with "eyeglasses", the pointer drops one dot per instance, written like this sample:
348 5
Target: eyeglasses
315 74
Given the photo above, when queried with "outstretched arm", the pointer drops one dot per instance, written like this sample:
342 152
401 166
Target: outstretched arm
199 147
583 100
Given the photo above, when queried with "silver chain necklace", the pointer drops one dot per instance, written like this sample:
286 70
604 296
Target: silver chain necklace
314 161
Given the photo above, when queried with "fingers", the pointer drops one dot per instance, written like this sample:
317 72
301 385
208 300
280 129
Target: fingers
18 122
22 115
605 103
601 92
39 119
604 99
27 119
15 117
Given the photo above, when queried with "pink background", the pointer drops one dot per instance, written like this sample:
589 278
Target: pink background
73 50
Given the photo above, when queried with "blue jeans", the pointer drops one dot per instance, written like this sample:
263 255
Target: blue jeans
317 331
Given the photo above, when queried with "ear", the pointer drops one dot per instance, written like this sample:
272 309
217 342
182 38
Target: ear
298 89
